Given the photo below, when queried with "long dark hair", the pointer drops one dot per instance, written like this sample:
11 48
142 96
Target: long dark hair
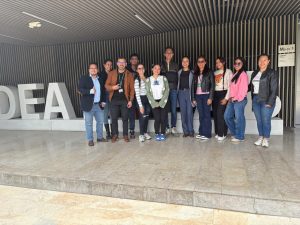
243 69
197 69
222 60
138 75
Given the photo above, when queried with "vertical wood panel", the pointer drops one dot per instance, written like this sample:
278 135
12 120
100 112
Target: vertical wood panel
67 62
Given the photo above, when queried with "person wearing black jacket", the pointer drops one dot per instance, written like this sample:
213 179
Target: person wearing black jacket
186 97
204 84
92 91
169 69
107 67
264 88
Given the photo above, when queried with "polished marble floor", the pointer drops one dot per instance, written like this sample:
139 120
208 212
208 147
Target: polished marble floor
21 206
239 177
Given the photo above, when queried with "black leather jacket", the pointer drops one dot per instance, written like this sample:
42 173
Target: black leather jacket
207 84
268 86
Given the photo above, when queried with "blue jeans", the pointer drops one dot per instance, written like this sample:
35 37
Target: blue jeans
173 105
186 110
204 115
98 113
263 116
235 118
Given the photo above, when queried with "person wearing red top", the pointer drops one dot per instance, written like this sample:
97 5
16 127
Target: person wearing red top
234 114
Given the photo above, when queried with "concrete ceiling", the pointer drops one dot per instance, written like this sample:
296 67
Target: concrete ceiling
86 20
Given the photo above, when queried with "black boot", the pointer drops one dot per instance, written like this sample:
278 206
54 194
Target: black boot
108 135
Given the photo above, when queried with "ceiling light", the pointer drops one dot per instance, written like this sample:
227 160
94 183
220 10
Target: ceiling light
142 20
42 19
34 25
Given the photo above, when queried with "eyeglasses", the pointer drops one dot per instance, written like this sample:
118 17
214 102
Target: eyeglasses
237 64
121 62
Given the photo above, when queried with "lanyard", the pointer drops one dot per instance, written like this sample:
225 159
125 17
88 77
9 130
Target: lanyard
121 78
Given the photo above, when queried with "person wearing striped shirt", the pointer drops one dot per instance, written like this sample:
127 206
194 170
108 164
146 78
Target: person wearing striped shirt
142 103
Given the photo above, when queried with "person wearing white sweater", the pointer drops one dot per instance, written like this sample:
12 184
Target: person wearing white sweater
143 105
222 81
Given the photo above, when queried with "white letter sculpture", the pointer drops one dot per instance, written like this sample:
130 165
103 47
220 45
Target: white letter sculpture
9 103
58 101
27 101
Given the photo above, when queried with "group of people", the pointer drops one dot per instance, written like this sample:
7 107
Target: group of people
128 90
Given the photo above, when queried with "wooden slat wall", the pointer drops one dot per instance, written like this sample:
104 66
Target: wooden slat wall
67 62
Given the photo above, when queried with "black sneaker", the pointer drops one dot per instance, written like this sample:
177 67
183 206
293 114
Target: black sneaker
132 135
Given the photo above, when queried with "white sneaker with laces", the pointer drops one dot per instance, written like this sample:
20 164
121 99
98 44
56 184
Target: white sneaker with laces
265 143
141 138
198 136
221 138
259 141
147 136
217 136
173 130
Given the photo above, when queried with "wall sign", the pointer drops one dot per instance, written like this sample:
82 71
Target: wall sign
286 55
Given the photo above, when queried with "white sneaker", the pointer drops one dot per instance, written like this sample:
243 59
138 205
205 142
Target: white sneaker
141 138
221 138
235 140
147 136
259 141
173 130
168 131
198 136
265 143
217 136
204 138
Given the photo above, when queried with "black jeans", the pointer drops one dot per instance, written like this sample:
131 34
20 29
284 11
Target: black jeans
160 122
144 118
117 107
132 112
218 113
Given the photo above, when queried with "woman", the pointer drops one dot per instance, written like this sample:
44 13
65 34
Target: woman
222 80
157 88
185 90
142 103
107 67
264 88
204 84
234 113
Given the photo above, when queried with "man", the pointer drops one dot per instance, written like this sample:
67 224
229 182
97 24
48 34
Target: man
132 67
91 88
107 67
120 85
169 68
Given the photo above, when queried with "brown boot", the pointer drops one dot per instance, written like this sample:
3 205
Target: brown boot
91 143
114 138
126 138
